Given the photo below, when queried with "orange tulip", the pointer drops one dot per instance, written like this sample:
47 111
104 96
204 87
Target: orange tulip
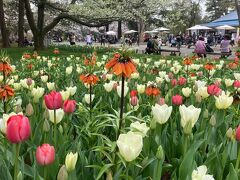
152 91
187 61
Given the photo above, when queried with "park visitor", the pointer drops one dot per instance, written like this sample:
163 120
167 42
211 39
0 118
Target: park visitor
224 45
200 47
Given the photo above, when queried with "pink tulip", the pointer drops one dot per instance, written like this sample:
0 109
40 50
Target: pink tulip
29 81
238 133
217 83
177 99
53 100
200 73
170 75
182 81
18 129
174 82
161 101
236 84
45 154
69 106
214 90
134 101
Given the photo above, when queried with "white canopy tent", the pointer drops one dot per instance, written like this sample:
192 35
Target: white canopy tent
112 33
199 27
162 29
130 32
225 27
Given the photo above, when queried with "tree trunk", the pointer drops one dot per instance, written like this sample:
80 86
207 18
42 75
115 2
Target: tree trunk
238 13
119 29
38 41
141 27
20 23
5 35
107 28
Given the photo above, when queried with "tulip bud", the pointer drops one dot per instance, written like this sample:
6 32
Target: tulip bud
62 174
60 128
213 120
188 128
46 126
238 134
109 175
134 101
160 153
46 114
205 114
29 81
229 133
19 176
18 109
70 161
29 109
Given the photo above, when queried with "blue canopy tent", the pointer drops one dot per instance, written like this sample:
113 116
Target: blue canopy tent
230 19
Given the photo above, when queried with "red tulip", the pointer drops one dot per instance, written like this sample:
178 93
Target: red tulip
69 106
177 99
182 81
214 90
174 82
238 133
53 100
133 93
236 84
18 128
134 101
45 154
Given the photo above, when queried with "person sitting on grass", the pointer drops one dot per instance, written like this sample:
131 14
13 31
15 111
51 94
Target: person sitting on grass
200 47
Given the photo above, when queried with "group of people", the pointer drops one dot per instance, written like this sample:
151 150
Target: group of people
201 47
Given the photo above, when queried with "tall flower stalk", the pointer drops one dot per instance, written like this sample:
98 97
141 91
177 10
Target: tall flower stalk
121 65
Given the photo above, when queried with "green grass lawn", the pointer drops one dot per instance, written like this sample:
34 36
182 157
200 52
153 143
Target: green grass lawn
15 53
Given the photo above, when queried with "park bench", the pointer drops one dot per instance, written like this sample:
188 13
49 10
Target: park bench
222 54
172 51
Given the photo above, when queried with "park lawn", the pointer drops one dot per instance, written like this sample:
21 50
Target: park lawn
16 53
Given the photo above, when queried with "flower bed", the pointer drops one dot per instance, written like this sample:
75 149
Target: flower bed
117 116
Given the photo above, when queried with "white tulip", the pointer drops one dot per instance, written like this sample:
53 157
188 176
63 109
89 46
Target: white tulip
149 60
87 98
159 80
15 77
229 82
50 86
13 68
162 74
211 72
200 84
1 78
69 70
72 90
186 91
139 128
109 76
35 73
157 63
140 88
70 161
59 115
223 101
65 95
237 76
24 84
189 114
135 75
79 70
10 82
201 174
202 92
44 78
119 90
136 61
16 86
37 93
161 113
130 145
108 86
